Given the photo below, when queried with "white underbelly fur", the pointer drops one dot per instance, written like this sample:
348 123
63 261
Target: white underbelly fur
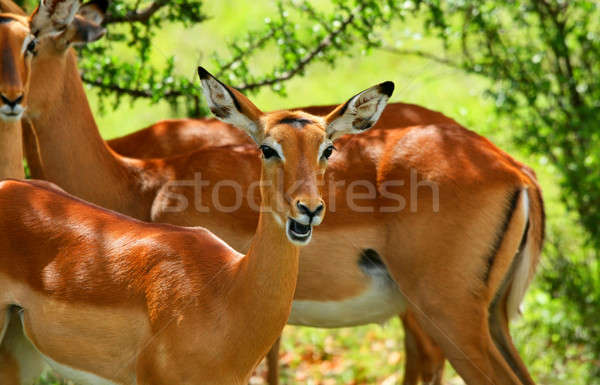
381 301
77 376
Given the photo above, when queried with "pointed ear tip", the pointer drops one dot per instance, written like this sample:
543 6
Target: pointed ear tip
387 88
204 74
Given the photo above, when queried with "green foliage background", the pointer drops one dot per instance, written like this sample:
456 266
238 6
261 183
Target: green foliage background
499 68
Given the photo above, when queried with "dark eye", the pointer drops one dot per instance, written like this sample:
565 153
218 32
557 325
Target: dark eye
31 46
327 152
268 152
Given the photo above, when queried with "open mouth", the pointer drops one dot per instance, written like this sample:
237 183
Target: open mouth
297 232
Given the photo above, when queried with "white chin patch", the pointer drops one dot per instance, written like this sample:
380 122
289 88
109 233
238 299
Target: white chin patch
10 118
8 114
298 233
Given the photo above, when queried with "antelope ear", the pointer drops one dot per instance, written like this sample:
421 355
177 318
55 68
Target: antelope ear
52 17
80 31
230 106
359 113
94 11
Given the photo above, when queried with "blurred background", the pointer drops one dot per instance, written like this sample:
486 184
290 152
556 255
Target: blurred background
525 74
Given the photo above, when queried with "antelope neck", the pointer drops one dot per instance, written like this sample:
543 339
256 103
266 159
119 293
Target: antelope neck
71 151
264 285
11 150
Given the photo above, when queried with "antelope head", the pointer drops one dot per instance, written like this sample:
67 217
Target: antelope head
295 148
67 22
17 46
62 22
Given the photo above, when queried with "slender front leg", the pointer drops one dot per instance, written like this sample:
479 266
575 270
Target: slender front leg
424 358
273 363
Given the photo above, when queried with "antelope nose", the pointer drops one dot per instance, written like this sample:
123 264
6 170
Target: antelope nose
11 103
304 209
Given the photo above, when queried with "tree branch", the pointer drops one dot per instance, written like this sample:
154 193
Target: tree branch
566 53
424 55
310 11
133 92
323 45
135 15
241 55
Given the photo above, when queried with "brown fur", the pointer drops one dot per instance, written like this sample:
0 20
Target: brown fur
11 150
424 358
14 79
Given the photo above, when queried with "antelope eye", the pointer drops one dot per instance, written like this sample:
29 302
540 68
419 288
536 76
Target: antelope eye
31 46
268 152
327 152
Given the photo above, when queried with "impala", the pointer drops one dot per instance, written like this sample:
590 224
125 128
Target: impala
108 299
459 268
14 76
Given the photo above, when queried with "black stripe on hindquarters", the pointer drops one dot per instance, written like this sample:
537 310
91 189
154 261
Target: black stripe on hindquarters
500 236
497 315
543 214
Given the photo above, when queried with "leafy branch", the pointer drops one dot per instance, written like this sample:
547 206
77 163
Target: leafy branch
423 55
135 15
326 42
296 36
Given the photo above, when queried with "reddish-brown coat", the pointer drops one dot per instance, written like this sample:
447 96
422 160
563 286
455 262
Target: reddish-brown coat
14 80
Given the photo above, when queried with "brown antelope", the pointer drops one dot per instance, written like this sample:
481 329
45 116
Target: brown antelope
106 299
14 75
450 266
